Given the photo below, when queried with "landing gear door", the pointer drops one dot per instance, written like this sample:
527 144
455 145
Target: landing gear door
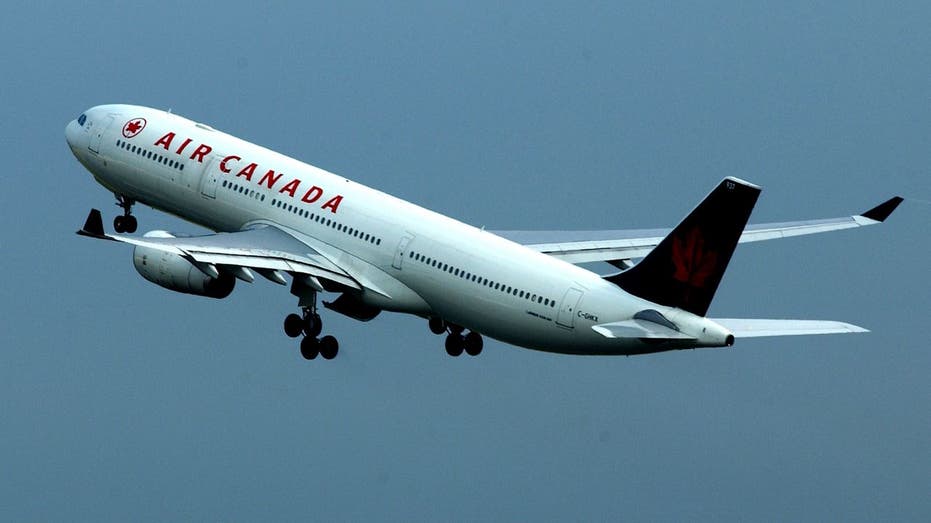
210 178
402 250
97 131
569 308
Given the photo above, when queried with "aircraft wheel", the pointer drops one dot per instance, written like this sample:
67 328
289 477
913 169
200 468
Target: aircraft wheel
437 325
130 224
473 343
454 344
329 347
312 325
310 347
293 324
119 224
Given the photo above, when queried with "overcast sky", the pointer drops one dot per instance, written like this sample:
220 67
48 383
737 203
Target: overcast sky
121 401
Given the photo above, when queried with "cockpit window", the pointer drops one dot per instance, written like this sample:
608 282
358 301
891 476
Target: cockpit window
82 119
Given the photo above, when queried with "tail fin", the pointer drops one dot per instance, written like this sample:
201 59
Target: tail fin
684 270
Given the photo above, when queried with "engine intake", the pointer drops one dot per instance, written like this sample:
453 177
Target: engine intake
173 272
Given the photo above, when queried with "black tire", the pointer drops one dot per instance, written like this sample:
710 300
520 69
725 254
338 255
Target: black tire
310 347
437 325
473 343
329 347
119 224
293 325
454 345
312 325
130 224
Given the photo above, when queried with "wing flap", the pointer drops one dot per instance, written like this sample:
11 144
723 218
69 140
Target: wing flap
758 328
258 261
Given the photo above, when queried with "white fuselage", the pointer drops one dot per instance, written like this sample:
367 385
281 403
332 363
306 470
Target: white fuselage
430 264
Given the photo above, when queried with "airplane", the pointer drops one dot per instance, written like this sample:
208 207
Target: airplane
298 225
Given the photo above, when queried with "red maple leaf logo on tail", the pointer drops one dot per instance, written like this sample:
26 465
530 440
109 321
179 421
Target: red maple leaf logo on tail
694 264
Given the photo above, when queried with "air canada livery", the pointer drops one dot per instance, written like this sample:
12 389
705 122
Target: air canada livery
319 233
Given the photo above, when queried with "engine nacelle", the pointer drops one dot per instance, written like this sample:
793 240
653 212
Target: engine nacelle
173 272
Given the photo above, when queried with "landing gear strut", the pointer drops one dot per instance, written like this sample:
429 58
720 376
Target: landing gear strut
456 343
125 222
310 325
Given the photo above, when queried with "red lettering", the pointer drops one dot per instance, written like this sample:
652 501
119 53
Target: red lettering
271 177
183 146
333 203
291 187
231 157
313 194
201 151
165 141
247 171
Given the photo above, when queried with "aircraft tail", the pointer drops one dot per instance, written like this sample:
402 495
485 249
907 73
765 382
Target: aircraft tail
684 270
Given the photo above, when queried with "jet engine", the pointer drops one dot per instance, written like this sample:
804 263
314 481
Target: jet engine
173 272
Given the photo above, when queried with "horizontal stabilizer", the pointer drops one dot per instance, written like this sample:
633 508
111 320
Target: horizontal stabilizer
753 328
640 329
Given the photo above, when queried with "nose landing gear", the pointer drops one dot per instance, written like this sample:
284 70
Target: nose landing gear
125 222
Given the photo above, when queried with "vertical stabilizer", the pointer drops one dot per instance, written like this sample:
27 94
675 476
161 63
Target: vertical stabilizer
684 270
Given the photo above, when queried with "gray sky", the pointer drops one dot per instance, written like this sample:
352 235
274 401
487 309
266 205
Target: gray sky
120 400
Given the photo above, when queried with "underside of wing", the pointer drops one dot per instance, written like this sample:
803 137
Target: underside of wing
624 245
264 248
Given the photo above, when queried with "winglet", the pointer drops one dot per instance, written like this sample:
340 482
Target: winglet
883 210
93 226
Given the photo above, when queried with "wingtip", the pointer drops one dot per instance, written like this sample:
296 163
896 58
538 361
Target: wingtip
883 210
93 225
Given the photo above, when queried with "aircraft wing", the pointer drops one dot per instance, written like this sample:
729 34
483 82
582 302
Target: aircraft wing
624 245
264 248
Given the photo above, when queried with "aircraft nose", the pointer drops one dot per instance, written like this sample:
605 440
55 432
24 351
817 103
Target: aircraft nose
75 133
72 132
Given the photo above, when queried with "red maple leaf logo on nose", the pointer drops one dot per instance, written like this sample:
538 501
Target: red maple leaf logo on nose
694 264
133 127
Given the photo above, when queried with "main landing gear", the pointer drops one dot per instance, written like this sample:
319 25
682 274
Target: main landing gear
125 222
456 343
310 326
